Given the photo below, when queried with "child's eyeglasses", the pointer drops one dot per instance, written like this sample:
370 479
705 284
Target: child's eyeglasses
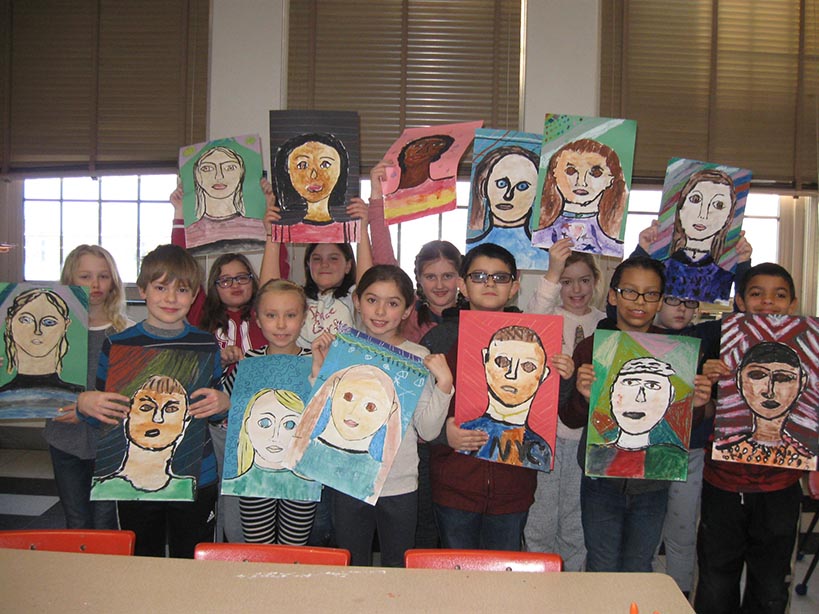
673 301
227 282
632 295
481 277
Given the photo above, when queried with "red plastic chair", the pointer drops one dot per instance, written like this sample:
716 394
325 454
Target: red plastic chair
271 553
482 560
70 540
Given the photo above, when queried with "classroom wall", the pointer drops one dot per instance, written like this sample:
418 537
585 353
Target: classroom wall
249 55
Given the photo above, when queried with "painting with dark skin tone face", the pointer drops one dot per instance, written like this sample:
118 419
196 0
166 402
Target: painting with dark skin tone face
767 401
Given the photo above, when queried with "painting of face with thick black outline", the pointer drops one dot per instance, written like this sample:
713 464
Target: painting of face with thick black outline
641 394
270 421
417 156
218 177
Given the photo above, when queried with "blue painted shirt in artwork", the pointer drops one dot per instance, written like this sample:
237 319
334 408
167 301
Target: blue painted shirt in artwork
518 241
511 444
703 280
271 483
584 231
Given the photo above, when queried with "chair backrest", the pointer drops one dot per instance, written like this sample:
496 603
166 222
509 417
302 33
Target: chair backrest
70 540
271 553
483 560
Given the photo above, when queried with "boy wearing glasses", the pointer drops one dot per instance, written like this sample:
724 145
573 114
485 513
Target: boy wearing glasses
622 518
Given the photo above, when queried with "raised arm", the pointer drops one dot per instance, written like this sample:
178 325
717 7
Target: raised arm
380 237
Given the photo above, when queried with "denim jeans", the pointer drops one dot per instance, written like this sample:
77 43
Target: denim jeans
621 530
476 531
73 476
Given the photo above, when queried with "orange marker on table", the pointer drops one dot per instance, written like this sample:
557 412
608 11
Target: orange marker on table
633 609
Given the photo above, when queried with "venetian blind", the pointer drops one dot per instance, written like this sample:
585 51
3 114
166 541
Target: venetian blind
90 85
406 63
729 81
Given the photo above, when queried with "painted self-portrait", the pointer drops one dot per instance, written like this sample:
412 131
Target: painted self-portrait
504 187
770 380
218 176
584 198
158 414
417 156
269 423
311 176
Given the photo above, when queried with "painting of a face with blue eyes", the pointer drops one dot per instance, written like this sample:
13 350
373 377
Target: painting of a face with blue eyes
504 185
261 426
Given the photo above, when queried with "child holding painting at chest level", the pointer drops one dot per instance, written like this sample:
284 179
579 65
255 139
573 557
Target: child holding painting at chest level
478 503
167 280
383 299
622 518
554 524
749 513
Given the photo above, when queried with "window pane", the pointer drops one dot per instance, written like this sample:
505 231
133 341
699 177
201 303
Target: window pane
155 222
119 236
645 201
119 188
80 224
763 235
157 187
81 188
762 205
42 240
41 189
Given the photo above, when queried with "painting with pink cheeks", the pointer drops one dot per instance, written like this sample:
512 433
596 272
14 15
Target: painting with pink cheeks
508 385
422 179
700 220
767 410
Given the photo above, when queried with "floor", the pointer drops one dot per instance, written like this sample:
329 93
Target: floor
28 500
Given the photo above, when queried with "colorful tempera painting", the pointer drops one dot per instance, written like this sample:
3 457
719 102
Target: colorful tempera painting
508 386
267 404
360 407
583 183
223 203
641 406
45 348
156 453
767 411
700 220
315 156
503 188
422 181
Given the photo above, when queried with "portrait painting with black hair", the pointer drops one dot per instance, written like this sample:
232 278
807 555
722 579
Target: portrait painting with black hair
424 169
583 183
502 192
44 353
508 386
767 412
155 454
267 404
223 202
315 162
640 409
360 407
701 215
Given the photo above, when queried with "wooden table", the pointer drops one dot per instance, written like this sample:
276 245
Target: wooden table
57 582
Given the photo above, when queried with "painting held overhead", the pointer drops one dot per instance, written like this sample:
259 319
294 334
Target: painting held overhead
701 217
45 348
502 193
640 409
223 202
768 410
315 158
583 183
422 180
507 385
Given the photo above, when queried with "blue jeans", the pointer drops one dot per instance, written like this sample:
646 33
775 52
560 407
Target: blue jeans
621 530
73 476
476 531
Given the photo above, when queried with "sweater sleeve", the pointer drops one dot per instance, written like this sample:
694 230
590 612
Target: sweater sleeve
380 237
431 411
546 298
575 413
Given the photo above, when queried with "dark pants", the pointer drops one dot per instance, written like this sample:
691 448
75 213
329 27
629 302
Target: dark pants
322 532
622 531
73 476
355 523
477 531
426 533
757 530
184 524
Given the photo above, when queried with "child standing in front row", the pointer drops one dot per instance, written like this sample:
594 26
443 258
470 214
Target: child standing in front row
749 513
281 308
479 503
168 279
622 518
554 523
383 299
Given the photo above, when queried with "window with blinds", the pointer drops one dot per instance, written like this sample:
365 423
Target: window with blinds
406 63
727 81
89 85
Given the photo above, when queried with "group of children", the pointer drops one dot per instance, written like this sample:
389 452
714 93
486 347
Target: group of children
433 494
